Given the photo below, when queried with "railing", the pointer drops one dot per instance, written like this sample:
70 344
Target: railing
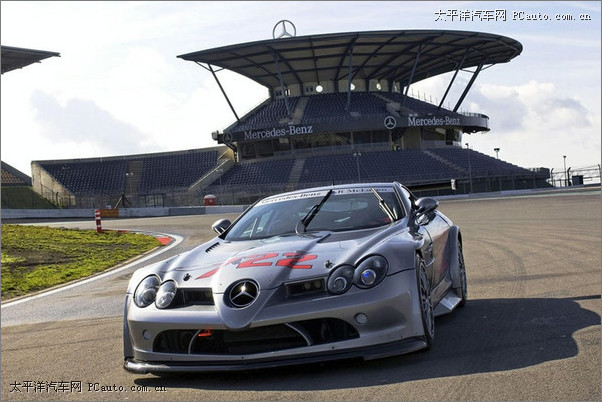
575 176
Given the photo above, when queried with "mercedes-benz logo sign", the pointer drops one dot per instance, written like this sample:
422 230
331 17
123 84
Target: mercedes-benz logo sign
243 293
227 138
284 29
390 122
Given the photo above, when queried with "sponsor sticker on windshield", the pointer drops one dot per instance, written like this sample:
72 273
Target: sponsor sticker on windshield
313 194
292 197
359 190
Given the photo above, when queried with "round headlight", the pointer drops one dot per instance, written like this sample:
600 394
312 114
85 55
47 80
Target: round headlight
368 277
370 271
146 291
166 294
340 280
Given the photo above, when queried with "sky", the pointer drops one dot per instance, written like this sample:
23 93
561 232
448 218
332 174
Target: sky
118 87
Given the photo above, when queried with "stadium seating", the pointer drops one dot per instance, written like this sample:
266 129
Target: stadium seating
160 172
10 179
257 173
90 176
174 171
333 107
169 173
479 164
404 166
268 115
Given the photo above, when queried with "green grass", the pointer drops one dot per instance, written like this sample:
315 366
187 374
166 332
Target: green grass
38 257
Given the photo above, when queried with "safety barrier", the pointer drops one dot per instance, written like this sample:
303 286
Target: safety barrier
98 221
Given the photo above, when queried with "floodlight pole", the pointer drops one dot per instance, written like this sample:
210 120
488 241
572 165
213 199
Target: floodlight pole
566 177
469 167
499 176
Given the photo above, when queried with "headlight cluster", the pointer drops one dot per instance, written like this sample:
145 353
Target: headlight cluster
152 290
370 272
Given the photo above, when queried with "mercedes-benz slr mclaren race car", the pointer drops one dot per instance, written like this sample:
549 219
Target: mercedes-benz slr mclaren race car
346 271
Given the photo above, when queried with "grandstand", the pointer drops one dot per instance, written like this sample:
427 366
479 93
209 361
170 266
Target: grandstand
14 177
17 191
339 110
159 179
14 58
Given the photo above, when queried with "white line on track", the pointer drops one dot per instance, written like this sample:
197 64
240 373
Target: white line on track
177 240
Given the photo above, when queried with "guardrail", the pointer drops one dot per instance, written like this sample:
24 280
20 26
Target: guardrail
46 214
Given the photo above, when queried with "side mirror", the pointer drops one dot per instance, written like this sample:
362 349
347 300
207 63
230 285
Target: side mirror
426 205
220 226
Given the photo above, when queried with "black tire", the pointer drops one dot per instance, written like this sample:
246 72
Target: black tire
462 290
426 306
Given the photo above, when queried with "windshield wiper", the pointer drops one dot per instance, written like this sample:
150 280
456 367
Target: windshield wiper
302 224
383 205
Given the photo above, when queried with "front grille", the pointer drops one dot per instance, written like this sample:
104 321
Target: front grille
197 296
255 340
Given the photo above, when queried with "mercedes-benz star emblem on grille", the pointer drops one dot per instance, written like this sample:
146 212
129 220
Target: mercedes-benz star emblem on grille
243 293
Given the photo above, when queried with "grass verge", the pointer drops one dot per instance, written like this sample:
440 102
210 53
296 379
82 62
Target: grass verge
39 257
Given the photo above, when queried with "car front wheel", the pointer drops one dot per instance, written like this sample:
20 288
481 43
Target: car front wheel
426 307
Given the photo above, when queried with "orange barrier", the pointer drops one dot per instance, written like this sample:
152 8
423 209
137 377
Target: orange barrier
109 213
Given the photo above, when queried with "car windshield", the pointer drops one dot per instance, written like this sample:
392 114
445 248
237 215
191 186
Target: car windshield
345 209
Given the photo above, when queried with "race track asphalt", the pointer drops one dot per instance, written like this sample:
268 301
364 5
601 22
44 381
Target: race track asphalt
530 330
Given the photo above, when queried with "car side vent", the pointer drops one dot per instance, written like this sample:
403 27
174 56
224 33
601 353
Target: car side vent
212 247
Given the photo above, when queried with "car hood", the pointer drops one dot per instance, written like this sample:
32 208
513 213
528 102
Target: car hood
269 262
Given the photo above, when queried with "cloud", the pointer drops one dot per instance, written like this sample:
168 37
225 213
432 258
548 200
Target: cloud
534 123
502 104
83 123
533 107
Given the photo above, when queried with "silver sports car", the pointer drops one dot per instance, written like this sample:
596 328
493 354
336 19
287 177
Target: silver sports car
337 272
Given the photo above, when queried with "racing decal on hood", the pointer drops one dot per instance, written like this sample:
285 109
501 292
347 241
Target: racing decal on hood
292 260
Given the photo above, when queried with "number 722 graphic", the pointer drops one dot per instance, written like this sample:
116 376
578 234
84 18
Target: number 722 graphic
290 260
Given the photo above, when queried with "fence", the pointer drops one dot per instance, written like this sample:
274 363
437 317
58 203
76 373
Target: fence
575 176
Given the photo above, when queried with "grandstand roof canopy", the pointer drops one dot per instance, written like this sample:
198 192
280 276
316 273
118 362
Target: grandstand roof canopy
15 57
396 55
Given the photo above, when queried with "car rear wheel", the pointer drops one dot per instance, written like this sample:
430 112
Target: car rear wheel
426 307
462 290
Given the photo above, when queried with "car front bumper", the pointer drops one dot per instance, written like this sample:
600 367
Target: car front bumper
386 320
